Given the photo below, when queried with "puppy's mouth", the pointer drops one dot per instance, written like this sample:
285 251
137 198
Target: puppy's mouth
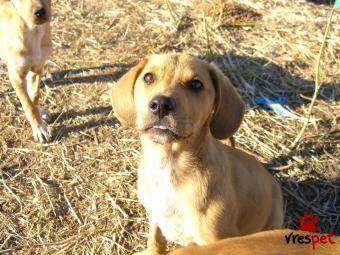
161 132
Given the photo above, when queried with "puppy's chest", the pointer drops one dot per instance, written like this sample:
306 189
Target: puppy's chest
165 205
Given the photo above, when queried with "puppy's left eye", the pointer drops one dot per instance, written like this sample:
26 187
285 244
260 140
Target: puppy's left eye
149 78
195 85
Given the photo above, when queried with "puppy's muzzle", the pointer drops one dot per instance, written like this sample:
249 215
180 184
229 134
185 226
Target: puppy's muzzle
162 106
39 12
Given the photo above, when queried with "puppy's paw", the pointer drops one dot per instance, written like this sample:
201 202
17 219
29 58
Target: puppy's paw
41 133
45 115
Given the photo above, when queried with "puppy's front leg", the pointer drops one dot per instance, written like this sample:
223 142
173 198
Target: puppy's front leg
18 80
156 241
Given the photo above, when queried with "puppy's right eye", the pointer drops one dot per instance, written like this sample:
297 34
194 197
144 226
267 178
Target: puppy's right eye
149 78
195 85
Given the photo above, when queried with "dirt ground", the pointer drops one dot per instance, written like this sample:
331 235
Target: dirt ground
77 194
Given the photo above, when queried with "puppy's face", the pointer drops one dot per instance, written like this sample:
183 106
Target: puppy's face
173 97
35 12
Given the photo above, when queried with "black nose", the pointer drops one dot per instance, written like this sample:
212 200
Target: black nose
162 106
39 12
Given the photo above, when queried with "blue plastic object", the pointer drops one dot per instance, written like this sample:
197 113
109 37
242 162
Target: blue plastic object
278 105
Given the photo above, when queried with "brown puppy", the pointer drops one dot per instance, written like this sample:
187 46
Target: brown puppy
269 243
25 46
196 189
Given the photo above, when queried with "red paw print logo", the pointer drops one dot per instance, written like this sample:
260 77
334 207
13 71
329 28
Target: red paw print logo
307 222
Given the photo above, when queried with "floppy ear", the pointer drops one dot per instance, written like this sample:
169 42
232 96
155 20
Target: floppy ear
121 95
229 107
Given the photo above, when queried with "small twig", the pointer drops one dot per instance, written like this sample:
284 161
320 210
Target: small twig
115 205
172 12
207 34
12 193
221 12
317 83
48 197
72 210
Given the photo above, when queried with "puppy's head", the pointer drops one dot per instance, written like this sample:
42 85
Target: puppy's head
34 12
176 96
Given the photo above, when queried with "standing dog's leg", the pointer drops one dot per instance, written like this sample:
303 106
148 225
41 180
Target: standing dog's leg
46 50
19 83
33 86
156 241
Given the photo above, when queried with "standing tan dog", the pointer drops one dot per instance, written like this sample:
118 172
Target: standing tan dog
196 189
25 46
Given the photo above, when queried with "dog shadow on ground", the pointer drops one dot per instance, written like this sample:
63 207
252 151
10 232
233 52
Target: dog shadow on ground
103 73
106 74
62 131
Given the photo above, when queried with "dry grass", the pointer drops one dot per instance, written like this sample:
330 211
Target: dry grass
77 194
